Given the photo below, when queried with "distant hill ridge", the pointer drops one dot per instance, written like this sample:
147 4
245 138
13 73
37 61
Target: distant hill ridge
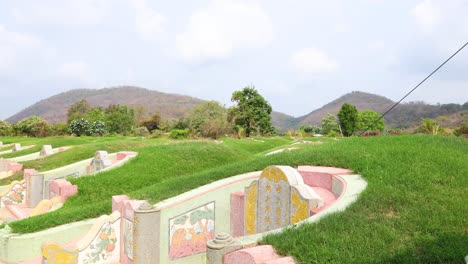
404 115
54 109
173 106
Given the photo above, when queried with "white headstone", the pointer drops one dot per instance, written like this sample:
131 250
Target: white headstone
46 151
16 147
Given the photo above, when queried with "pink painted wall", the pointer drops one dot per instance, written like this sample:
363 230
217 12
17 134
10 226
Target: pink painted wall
237 214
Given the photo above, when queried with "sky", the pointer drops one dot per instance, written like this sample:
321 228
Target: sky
299 54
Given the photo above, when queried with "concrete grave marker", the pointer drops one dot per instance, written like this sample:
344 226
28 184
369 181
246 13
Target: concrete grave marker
46 151
16 147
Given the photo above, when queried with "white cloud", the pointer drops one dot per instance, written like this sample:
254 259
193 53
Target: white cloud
149 24
312 61
14 48
427 15
66 13
224 26
76 71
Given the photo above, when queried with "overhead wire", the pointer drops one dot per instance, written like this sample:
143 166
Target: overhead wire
416 87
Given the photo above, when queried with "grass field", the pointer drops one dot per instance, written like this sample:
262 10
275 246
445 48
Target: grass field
415 208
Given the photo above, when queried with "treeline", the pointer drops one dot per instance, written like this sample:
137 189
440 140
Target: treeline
251 115
349 121
407 114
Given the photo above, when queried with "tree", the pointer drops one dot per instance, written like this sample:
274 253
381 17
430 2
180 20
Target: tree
140 113
329 124
367 120
347 118
5 128
32 126
151 123
465 106
119 119
252 112
94 115
209 120
77 110
310 129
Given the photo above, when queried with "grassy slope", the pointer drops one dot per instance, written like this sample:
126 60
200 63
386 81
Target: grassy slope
83 148
153 165
414 209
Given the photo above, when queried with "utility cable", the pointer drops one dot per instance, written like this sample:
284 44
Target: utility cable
419 84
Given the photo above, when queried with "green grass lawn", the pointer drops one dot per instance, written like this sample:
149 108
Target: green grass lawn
415 208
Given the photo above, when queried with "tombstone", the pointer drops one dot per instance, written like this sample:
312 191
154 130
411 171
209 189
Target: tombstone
4 165
34 191
100 161
16 147
46 151
277 199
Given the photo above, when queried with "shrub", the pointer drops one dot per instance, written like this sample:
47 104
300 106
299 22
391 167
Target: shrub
181 124
430 126
209 120
152 123
97 128
179 133
392 132
5 128
239 131
156 133
310 129
59 129
141 132
33 126
463 130
79 127
334 133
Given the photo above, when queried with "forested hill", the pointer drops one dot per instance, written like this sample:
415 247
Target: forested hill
173 106
54 109
402 116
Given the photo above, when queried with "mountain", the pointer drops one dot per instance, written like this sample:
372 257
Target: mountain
54 109
173 106
403 115
361 100
282 121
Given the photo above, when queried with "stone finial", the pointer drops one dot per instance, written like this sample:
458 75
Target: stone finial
145 206
222 244
221 240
